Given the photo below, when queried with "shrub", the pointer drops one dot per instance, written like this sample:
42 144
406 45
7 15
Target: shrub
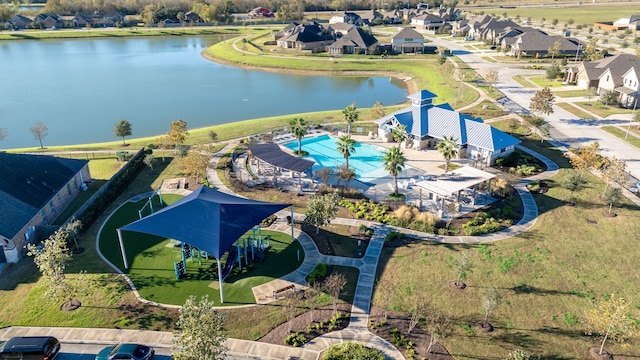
319 271
394 235
295 339
609 98
570 319
351 351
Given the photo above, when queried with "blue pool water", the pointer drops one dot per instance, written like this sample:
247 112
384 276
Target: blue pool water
366 161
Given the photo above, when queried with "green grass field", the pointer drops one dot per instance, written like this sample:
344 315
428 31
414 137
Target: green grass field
569 93
601 109
575 111
631 139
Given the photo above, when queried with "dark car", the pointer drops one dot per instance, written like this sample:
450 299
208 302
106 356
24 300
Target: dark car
126 351
30 348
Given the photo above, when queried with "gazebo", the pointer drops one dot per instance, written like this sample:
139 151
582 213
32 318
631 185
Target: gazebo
273 155
206 219
453 183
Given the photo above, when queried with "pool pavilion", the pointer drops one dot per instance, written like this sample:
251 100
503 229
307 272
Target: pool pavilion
426 124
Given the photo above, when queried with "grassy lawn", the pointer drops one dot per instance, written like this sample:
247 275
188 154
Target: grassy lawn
601 109
575 111
542 81
513 126
620 134
546 277
570 93
116 33
524 81
492 110
580 14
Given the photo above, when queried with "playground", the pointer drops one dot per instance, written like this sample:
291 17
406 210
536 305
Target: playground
165 270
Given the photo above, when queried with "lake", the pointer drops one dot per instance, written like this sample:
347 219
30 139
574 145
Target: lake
81 88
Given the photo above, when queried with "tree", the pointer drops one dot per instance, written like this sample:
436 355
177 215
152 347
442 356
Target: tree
554 71
194 165
439 327
542 102
555 49
321 209
609 98
52 260
612 195
148 160
591 50
394 161
378 111
324 174
462 266
448 148
73 228
399 133
345 174
350 116
591 92
491 78
213 136
418 312
178 133
572 181
586 158
333 285
490 300
299 128
611 319
520 355
346 147
39 131
613 170
123 128
200 333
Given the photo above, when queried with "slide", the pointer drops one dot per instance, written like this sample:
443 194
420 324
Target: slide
230 263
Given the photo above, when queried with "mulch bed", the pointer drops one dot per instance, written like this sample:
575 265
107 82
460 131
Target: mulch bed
300 323
322 240
462 219
418 337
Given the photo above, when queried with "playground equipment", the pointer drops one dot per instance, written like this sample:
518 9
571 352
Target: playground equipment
149 203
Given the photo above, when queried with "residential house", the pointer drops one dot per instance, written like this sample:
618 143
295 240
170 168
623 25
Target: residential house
356 41
19 22
34 190
192 17
81 21
426 124
472 29
535 43
393 17
304 36
450 13
372 17
408 40
347 17
588 73
621 77
341 29
428 22
629 92
48 21
488 28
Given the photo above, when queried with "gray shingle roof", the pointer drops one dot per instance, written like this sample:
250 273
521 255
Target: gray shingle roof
27 183
408 33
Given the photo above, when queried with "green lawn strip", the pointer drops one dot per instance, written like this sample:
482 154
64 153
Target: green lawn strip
601 109
620 134
117 33
542 81
512 126
522 80
580 14
78 201
575 111
491 111
569 93
104 169
152 271
557 265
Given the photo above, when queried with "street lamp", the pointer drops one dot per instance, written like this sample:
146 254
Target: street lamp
578 50
632 114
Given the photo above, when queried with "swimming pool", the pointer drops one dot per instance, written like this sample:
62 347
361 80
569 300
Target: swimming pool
366 161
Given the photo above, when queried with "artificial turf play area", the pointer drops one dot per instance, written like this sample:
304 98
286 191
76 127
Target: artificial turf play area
151 260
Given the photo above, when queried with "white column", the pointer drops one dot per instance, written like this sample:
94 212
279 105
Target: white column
124 255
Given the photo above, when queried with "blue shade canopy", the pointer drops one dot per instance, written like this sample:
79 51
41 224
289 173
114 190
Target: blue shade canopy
207 219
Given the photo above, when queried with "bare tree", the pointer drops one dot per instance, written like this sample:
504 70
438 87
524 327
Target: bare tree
439 327
324 174
291 304
462 265
39 131
491 79
490 300
333 285
418 312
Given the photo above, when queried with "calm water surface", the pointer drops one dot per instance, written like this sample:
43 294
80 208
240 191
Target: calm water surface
80 88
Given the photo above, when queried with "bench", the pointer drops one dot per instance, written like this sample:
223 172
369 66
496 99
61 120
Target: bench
288 287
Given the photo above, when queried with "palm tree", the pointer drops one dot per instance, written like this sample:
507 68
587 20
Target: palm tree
394 163
448 148
350 116
299 128
346 147
399 133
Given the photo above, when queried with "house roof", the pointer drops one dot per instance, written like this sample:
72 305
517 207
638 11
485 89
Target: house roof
341 26
619 65
429 18
454 181
305 32
423 118
28 183
408 33
539 42
360 38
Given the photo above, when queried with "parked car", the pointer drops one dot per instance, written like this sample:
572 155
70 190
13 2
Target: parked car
30 348
260 11
126 351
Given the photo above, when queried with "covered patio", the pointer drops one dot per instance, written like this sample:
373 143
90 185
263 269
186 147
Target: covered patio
272 163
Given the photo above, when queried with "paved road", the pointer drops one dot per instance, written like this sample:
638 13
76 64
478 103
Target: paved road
565 127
